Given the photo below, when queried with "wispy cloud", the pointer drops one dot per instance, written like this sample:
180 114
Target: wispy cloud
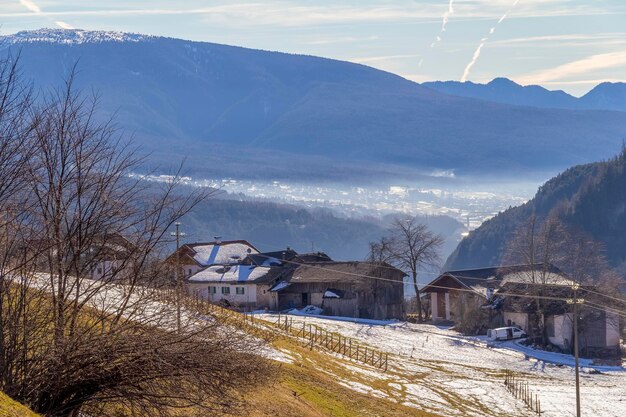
283 13
341 39
34 8
574 39
484 40
63 25
371 59
30 6
579 67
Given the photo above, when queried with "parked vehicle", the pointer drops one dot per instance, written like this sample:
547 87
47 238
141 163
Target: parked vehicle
506 333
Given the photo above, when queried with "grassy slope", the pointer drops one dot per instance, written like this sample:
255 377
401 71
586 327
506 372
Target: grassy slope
11 408
313 377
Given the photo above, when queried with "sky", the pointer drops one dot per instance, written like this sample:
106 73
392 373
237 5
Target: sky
571 45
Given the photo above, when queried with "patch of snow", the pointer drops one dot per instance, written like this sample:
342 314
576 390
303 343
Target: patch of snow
433 368
305 311
225 253
71 36
229 273
330 294
281 285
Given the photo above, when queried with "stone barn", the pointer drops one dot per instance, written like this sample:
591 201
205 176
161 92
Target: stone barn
349 289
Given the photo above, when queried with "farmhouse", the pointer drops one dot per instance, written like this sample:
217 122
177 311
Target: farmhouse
194 257
285 280
455 293
109 257
598 333
247 283
518 296
351 289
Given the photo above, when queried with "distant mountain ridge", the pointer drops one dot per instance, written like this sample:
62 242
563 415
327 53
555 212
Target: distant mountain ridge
590 197
604 96
232 110
73 36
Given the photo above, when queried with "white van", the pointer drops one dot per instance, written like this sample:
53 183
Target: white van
505 333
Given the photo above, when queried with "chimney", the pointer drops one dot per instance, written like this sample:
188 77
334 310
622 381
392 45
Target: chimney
218 240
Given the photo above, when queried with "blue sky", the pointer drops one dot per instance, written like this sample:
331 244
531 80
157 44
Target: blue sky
561 44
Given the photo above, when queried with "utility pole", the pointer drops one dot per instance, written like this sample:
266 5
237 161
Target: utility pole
576 301
179 280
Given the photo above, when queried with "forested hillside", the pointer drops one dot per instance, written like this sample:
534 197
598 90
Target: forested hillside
590 198
272 226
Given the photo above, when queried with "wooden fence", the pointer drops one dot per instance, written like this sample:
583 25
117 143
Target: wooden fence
315 335
520 390
311 335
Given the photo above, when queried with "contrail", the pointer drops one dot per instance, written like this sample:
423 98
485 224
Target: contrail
446 15
30 5
444 22
482 43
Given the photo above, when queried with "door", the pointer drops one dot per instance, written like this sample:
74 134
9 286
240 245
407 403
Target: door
441 305
305 299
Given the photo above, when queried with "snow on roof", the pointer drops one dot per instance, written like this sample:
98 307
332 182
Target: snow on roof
331 294
281 285
230 273
537 277
485 280
222 253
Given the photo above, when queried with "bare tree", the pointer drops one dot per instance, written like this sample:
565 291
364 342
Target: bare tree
543 244
411 247
69 343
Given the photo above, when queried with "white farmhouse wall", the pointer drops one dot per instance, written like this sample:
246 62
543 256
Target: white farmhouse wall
191 269
202 289
612 329
433 306
517 319
563 331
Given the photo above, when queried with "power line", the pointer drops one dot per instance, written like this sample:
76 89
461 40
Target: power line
313 266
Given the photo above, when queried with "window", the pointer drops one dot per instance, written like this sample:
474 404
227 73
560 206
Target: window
240 290
189 271
99 270
225 290
212 290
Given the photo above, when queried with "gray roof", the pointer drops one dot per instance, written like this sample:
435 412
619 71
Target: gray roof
343 271
482 279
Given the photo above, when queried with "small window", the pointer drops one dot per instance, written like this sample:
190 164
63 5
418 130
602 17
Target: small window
212 290
189 271
240 290
225 290
99 270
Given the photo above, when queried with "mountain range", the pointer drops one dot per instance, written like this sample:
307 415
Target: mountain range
234 111
590 198
604 96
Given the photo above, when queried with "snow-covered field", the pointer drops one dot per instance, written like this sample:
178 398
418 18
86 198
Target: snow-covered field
438 370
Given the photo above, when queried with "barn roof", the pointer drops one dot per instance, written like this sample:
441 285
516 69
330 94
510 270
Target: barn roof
230 274
330 272
483 280
217 252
